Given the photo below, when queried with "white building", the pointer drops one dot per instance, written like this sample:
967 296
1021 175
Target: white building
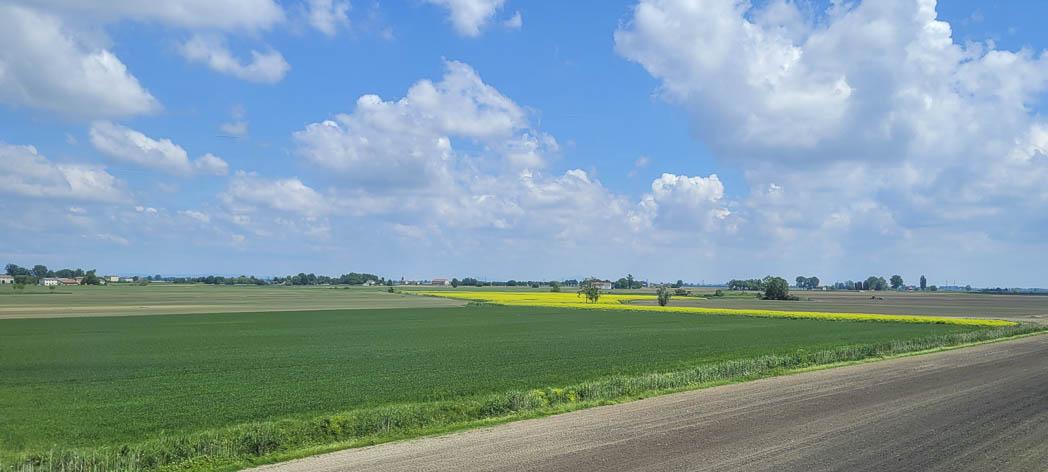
603 284
49 282
6 279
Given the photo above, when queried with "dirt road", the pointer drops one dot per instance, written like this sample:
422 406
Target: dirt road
980 408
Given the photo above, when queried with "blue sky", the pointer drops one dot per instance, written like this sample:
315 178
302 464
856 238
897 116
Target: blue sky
703 140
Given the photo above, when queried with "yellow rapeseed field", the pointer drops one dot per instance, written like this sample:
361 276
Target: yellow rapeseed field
622 302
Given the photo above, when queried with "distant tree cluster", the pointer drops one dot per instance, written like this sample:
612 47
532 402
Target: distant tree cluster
810 283
473 282
627 282
874 282
514 283
748 284
27 276
771 287
352 278
871 283
758 285
213 280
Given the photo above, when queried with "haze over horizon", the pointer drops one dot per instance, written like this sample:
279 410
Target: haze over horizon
701 140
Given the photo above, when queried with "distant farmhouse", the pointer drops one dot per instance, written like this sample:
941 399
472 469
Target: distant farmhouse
56 281
603 284
6 279
440 282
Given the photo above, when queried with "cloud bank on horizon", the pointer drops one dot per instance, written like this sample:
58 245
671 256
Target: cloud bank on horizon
843 140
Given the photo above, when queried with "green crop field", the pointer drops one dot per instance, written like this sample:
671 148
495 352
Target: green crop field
262 382
90 381
163 299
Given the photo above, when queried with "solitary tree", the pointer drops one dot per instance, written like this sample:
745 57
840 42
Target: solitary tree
679 284
777 288
554 286
590 289
629 280
924 283
454 282
897 282
663 295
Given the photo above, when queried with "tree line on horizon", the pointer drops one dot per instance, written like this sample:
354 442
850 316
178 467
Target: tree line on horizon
31 276
873 282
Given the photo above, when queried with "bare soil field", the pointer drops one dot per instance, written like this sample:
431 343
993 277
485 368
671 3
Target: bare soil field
157 299
967 305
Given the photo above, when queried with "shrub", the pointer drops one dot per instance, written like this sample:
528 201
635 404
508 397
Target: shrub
663 295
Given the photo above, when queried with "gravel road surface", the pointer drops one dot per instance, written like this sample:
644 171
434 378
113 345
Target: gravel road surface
975 409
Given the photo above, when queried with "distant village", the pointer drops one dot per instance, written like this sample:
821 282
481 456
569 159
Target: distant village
6 279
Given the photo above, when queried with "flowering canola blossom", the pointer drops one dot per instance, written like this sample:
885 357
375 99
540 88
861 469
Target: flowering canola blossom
623 302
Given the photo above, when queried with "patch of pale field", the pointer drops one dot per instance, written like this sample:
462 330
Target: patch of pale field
157 299
968 305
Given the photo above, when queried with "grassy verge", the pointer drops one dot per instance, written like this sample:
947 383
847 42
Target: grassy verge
262 442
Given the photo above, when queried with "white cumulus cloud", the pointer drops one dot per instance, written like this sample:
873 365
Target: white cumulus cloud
264 67
864 127
23 171
214 14
327 16
132 147
682 201
408 143
470 16
248 189
43 66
